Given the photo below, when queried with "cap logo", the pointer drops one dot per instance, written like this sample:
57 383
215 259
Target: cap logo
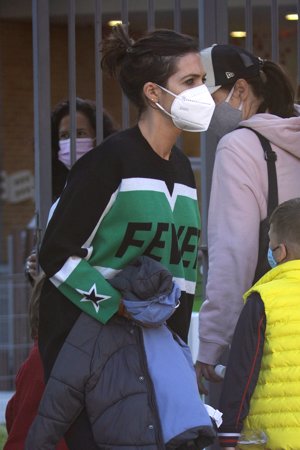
229 75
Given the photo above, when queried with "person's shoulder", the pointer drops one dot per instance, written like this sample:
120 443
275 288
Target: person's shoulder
113 147
118 137
104 153
242 141
236 135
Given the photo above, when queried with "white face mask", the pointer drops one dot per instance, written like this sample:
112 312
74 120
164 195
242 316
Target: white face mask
192 109
82 146
225 117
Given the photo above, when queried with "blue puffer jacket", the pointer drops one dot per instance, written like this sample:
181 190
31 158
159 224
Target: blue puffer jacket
136 383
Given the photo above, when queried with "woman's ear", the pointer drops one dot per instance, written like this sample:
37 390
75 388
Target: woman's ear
243 93
151 91
241 90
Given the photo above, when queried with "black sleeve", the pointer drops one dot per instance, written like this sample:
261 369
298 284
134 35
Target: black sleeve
243 365
91 183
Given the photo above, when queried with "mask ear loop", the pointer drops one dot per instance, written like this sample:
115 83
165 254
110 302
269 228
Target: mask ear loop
166 90
161 107
164 110
227 99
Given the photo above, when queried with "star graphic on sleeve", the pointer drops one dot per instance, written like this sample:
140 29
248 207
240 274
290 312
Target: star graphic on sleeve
93 296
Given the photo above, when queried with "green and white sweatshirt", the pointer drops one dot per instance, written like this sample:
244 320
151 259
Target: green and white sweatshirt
122 200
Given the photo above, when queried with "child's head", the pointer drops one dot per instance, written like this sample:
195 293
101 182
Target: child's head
284 231
34 305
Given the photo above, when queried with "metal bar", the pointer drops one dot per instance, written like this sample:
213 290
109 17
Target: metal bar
221 22
98 72
177 27
151 15
213 27
298 50
10 303
125 102
72 77
201 24
177 15
212 22
206 15
274 27
3 189
249 25
204 38
42 128
209 21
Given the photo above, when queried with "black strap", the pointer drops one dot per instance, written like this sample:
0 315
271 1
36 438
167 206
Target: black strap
270 157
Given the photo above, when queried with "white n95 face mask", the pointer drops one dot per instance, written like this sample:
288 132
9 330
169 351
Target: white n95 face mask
192 109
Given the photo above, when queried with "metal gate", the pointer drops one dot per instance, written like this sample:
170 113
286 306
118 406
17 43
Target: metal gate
265 31
211 20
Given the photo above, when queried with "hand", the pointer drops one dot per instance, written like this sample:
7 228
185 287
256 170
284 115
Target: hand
31 266
206 371
123 311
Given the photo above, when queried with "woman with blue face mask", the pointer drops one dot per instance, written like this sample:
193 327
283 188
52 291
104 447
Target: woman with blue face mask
257 95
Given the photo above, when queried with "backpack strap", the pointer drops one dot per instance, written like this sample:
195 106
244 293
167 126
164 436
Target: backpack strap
270 157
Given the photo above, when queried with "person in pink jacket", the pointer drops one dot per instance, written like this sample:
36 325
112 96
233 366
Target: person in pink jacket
250 93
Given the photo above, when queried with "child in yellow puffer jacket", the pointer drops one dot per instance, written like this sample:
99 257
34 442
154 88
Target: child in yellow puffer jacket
261 390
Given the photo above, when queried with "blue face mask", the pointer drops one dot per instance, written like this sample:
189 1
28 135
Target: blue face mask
272 261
